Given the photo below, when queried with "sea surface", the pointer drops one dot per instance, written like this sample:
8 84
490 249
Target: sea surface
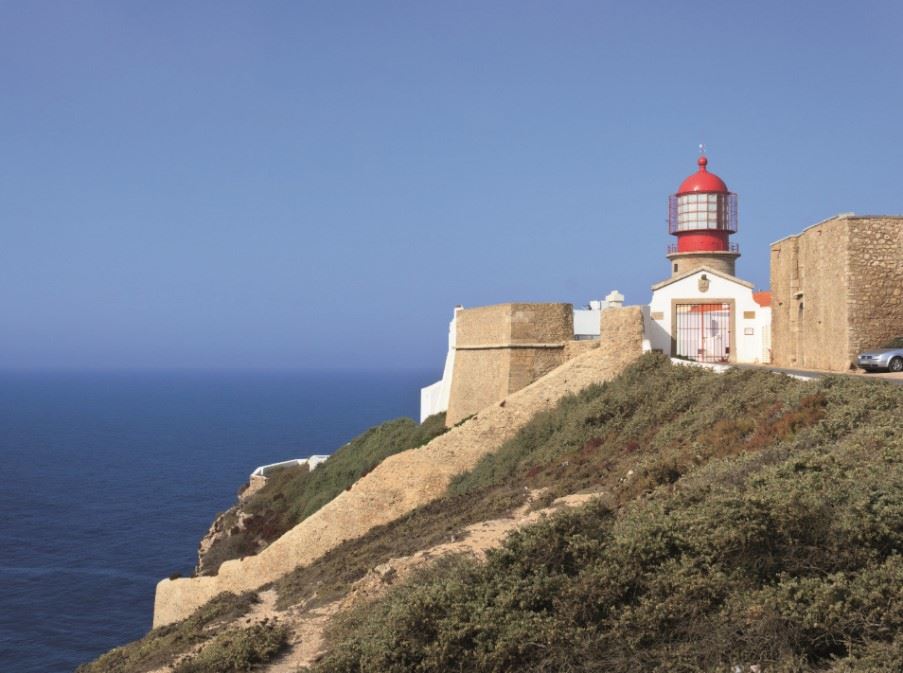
109 480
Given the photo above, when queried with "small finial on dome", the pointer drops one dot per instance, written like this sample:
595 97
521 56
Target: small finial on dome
702 180
701 148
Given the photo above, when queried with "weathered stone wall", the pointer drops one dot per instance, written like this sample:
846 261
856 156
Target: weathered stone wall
483 326
622 333
408 479
809 309
833 291
541 323
783 261
689 261
500 349
480 378
528 364
578 347
875 273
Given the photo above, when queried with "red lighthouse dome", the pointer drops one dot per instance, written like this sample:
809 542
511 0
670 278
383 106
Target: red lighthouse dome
702 181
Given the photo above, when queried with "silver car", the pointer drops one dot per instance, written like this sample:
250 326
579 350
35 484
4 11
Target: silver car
889 357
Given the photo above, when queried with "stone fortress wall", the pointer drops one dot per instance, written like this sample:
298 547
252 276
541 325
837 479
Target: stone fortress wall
837 289
503 348
875 269
809 320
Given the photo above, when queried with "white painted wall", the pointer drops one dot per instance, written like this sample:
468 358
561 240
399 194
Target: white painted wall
586 322
431 399
311 463
762 329
753 340
434 397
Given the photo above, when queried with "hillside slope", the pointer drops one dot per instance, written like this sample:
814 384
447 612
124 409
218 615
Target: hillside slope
749 522
745 519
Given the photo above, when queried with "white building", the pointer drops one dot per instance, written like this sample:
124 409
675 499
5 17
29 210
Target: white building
434 398
709 316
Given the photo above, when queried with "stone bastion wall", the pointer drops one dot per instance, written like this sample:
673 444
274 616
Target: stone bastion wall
500 349
837 289
409 479
875 303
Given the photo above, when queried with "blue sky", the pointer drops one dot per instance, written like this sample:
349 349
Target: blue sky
301 184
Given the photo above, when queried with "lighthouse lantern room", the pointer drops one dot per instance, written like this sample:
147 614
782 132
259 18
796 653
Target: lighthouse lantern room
702 215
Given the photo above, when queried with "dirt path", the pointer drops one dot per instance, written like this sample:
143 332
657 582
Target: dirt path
307 643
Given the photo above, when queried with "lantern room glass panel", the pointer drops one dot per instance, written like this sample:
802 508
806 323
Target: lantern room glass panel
694 212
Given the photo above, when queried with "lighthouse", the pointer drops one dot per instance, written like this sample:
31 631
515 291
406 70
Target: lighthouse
702 215
704 312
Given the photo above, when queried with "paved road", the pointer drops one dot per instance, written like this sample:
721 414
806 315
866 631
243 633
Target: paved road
896 379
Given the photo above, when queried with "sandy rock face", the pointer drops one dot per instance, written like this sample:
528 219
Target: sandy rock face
231 522
214 535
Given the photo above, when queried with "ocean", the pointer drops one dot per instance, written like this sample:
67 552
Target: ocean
109 480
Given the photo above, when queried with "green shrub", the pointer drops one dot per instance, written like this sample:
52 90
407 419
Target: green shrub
238 650
588 441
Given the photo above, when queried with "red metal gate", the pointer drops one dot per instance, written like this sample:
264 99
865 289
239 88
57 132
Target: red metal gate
704 332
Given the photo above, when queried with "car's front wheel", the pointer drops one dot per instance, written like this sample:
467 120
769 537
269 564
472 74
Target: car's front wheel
896 365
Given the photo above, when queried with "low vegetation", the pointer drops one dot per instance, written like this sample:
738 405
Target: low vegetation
163 645
655 421
748 520
292 494
238 650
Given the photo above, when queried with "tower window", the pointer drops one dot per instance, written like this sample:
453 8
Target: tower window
675 267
